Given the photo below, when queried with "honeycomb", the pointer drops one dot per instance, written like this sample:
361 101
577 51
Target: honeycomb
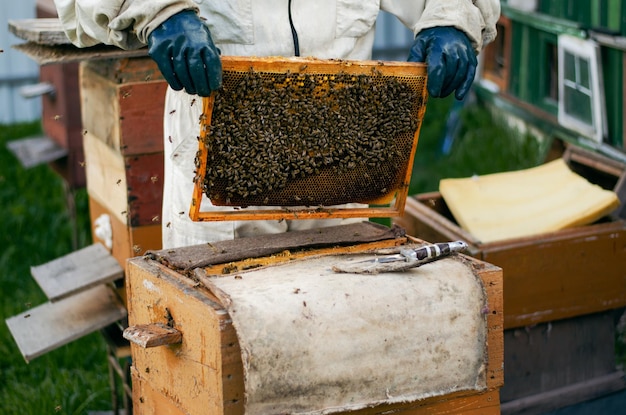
307 138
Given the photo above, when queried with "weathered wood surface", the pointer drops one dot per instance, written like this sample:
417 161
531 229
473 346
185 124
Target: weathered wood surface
45 31
77 271
222 252
47 43
130 187
122 104
152 335
52 325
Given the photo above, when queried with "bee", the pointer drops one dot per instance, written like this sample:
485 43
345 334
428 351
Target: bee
118 182
193 101
172 112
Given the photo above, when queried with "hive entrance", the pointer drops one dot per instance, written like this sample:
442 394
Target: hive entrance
303 135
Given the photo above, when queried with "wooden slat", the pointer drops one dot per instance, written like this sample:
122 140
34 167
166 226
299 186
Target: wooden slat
566 396
78 271
33 151
153 335
47 31
52 325
48 55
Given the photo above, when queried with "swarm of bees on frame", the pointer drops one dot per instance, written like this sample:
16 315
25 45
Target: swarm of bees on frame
308 139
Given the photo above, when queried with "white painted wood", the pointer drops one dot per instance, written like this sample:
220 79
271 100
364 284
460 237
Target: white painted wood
52 325
78 271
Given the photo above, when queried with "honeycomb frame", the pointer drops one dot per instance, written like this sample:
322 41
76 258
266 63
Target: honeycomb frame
389 203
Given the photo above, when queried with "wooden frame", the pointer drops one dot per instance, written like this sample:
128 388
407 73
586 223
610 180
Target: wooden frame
308 66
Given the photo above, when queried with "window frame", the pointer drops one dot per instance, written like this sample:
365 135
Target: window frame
589 51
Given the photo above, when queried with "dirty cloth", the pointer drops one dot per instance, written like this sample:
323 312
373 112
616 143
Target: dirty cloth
317 342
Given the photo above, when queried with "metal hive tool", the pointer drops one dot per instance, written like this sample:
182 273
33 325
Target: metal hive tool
293 138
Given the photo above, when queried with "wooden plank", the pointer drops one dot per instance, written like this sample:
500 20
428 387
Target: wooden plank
33 151
77 271
48 55
565 396
152 335
45 31
553 355
52 325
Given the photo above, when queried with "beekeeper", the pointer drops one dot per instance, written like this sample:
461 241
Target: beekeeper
185 38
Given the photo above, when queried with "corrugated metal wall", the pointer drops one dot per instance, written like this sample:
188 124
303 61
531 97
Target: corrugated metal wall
16 69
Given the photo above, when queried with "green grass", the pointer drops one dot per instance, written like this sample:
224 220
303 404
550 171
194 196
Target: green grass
35 227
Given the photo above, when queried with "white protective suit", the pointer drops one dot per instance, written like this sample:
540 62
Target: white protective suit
342 29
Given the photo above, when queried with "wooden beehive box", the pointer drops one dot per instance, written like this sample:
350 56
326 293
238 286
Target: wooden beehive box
550 276
122 117
204 373
561 289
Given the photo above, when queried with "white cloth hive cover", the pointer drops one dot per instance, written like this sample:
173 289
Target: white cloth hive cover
315 342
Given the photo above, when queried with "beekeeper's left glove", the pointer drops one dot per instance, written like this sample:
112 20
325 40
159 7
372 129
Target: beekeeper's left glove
186 55
450 58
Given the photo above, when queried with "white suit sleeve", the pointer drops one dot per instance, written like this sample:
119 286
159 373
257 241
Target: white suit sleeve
122 23
477 18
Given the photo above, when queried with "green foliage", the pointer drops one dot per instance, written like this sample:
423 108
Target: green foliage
482 145
36 227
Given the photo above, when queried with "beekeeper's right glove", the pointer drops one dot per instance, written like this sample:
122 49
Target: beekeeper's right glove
185 54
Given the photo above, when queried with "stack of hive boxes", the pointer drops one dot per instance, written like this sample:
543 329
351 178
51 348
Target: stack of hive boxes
122 114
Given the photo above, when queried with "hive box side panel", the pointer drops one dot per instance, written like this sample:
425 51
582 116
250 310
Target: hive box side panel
553 355
130 187
193 372
106 176
581 273
141 117
147 401
127 242
99 106
122 104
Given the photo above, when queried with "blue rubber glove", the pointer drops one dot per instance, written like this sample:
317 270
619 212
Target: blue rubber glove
450 58
186 55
